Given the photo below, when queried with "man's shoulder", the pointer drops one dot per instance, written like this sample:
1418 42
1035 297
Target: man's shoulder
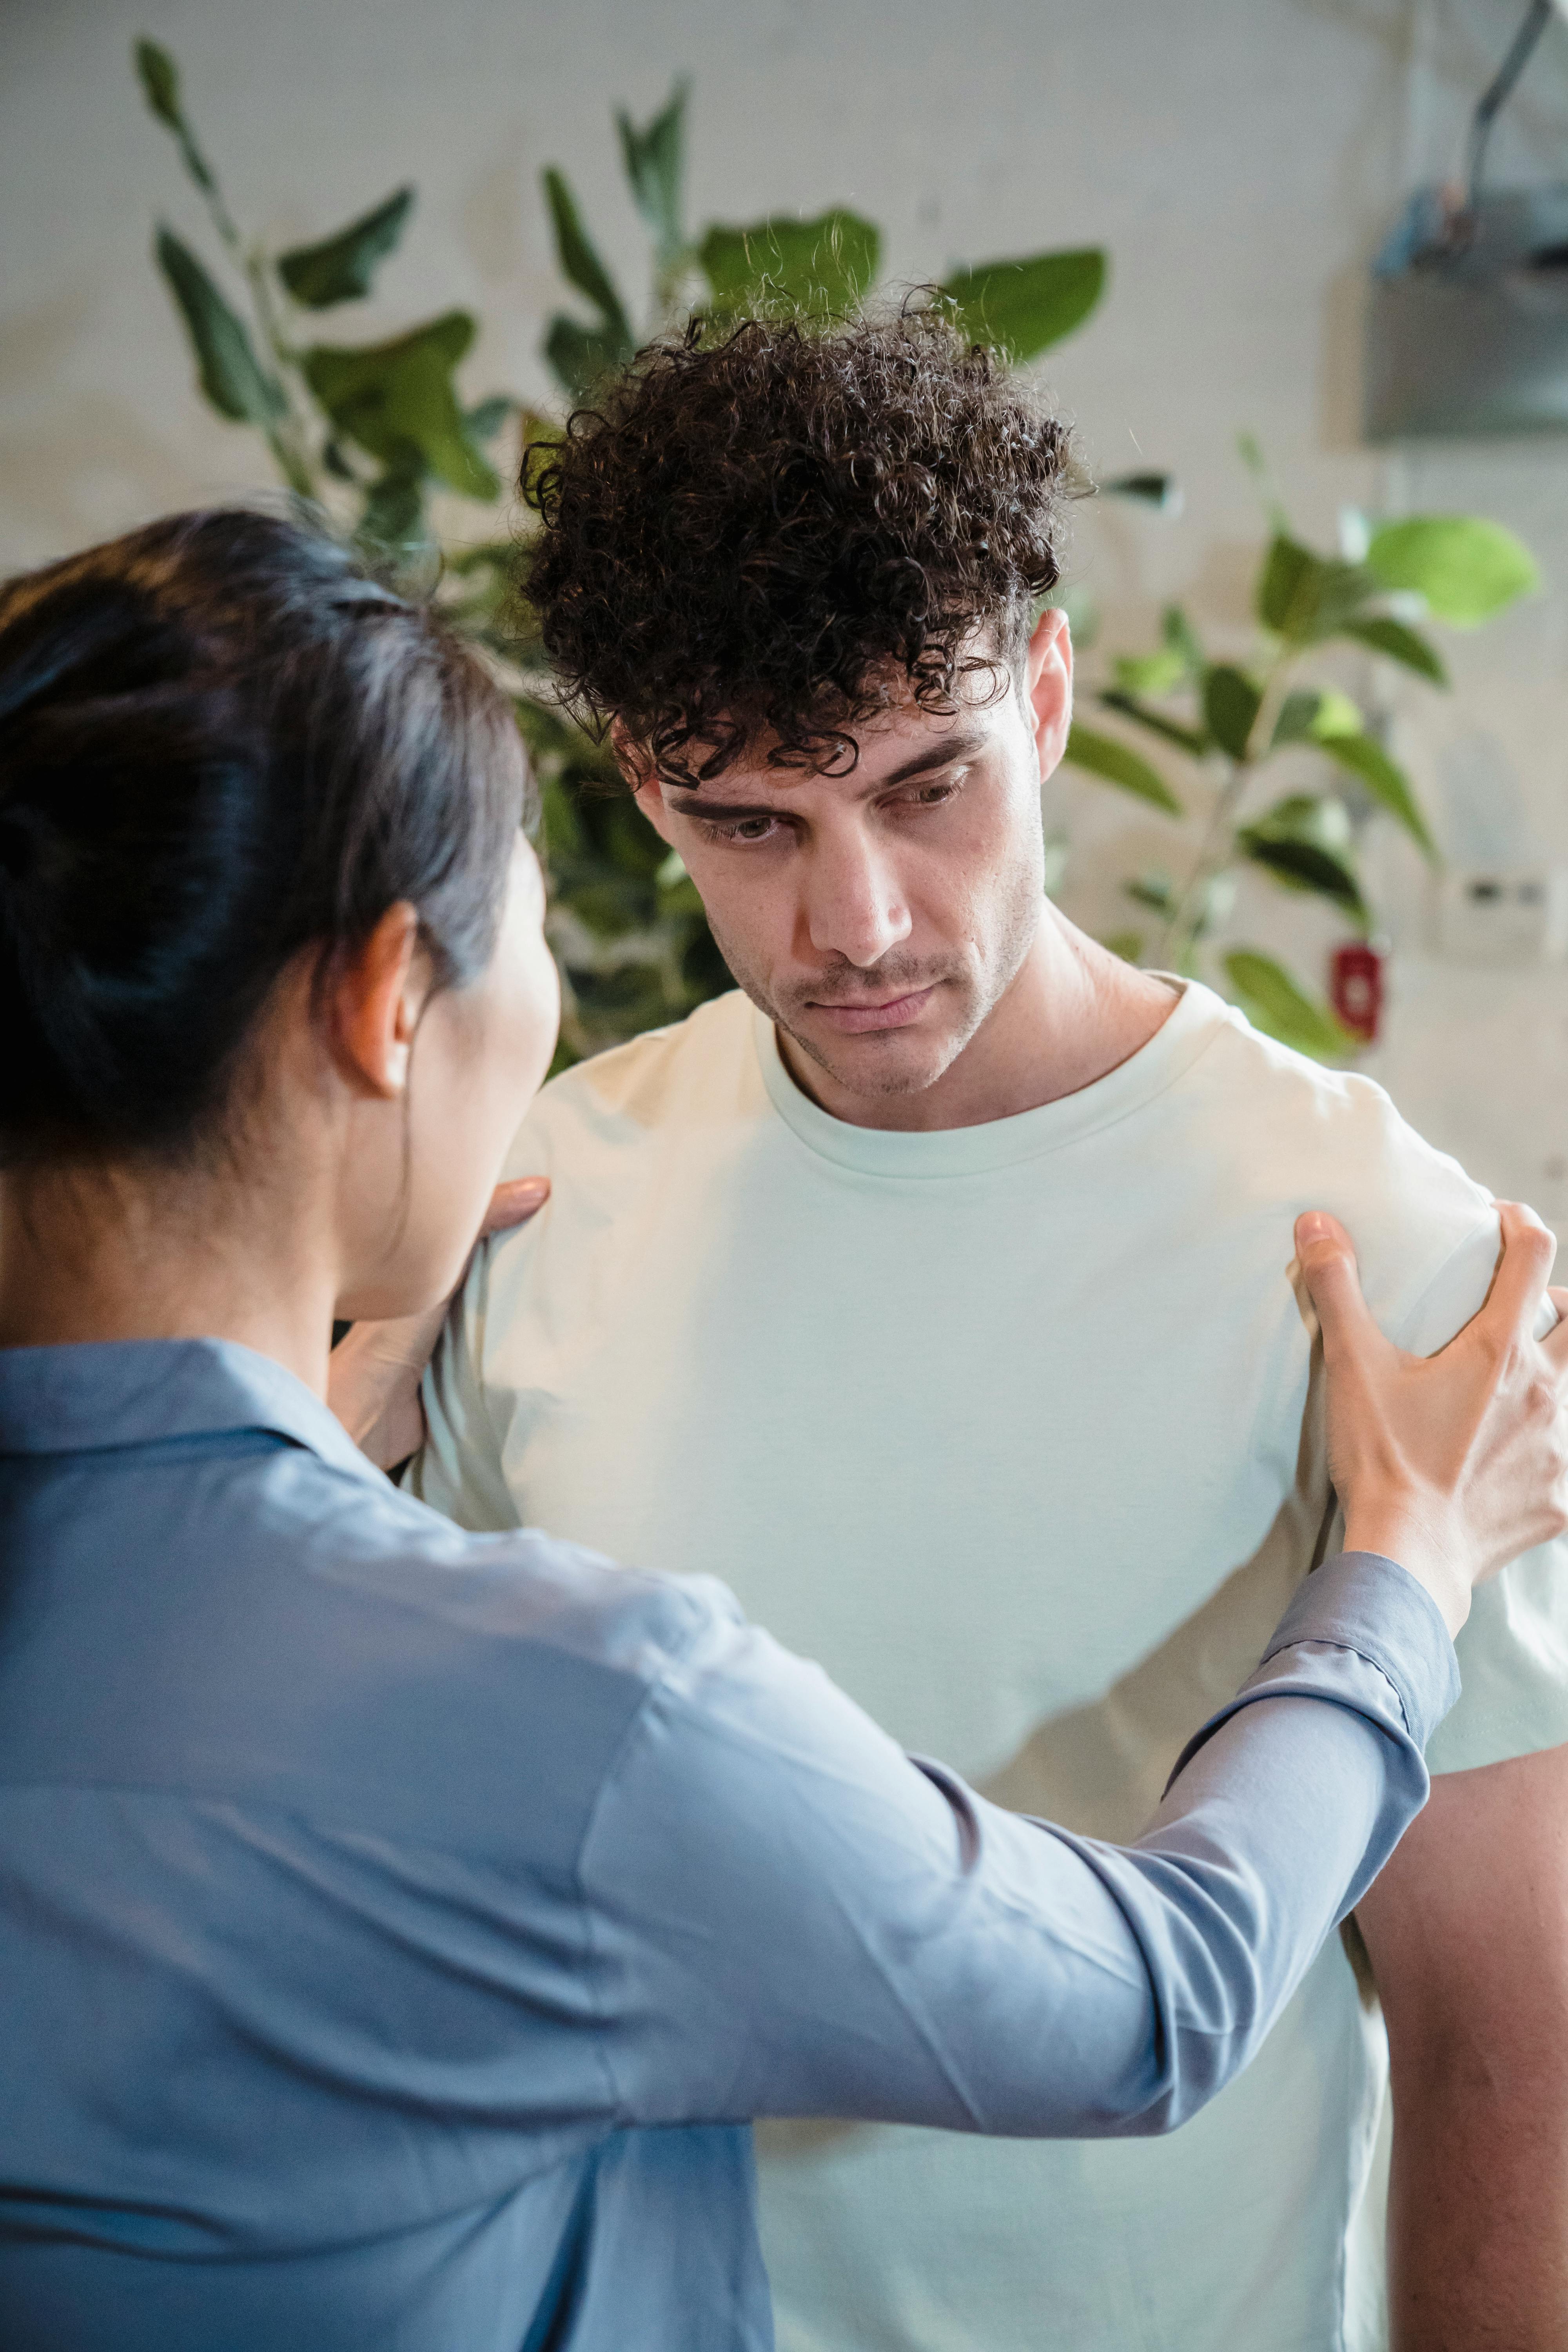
701 1068
1295 1135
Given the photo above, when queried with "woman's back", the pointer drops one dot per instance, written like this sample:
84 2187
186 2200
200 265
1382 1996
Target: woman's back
294 1781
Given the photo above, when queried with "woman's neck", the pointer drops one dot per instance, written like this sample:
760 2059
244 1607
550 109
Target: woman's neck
148 1253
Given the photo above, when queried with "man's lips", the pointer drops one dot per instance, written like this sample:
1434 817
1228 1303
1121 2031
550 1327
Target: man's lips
892 1013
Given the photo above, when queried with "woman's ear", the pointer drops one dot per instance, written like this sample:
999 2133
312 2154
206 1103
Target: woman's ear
1048 683
375 1000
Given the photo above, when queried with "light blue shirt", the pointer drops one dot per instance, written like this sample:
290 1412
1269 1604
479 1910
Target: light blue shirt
398 1927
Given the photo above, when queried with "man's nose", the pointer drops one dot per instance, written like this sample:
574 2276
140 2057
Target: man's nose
854 907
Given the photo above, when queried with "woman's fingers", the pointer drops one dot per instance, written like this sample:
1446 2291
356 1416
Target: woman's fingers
1556 1344
1328 1263
1513 1303
513 1204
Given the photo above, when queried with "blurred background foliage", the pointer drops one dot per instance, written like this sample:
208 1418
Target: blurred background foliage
374 433
1233 724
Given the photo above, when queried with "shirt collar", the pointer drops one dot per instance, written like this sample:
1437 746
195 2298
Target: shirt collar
111 1392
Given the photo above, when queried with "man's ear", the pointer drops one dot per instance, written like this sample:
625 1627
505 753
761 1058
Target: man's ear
1048 686
375 999
641 776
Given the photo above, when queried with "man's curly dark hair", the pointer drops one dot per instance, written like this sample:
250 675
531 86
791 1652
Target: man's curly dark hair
772 535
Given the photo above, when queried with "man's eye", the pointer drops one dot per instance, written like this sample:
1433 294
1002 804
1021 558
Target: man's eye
745 828
929 796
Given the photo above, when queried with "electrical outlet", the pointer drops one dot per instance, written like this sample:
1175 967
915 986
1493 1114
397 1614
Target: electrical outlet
1504 917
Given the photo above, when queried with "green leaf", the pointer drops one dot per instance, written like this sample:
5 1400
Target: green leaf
1182 638
1400 644
1297 713
1128 945
1306 843
1154 891
655 160
485 420
1466 569
580 357
1273 1002
560 825
1117 764
1336 715
398 402
1021 308
1303 596
1161 491
1231 703
1314 715
393 522
819 267
1360 756
1289 587
231 375
1153 674
1191 739
160 79
581 264
342 268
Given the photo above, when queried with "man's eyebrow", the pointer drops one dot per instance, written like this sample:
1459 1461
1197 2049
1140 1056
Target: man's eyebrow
693 802
945 754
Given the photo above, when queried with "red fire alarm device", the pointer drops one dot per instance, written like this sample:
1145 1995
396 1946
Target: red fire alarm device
1355 988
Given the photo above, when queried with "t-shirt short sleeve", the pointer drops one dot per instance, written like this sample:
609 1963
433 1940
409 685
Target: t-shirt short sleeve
458 1469
1513 1650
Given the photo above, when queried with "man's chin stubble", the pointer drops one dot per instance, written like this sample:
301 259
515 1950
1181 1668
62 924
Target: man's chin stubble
874 1073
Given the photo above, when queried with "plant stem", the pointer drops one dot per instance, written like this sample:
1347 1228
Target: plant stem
1180 934
287 439
290 446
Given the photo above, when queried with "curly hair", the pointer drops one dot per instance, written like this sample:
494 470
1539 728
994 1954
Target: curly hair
775 534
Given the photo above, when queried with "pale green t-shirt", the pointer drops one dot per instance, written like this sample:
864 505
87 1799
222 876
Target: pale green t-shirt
1010 1427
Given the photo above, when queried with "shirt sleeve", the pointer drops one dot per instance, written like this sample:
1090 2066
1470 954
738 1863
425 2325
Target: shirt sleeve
789 1916
1513 1649
458 1470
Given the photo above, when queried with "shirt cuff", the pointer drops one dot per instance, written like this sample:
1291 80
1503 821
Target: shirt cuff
1359 1600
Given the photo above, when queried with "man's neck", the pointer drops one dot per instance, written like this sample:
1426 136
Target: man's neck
1074 1013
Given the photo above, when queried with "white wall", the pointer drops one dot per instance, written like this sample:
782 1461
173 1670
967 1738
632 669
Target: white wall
1240 158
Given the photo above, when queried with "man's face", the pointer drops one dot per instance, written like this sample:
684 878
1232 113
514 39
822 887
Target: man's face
879 915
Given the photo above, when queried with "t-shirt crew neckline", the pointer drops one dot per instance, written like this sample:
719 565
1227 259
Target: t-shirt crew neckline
1191 1027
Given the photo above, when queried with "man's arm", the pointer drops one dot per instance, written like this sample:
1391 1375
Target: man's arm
1468 1933
374 1376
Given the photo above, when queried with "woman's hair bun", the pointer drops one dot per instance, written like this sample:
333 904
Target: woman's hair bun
220 743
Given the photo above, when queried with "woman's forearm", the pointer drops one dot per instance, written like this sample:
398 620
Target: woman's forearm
795 1920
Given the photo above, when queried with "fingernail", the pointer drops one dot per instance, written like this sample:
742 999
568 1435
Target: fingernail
1313 1226
531 1184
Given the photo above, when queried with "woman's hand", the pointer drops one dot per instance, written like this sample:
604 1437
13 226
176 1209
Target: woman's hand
1454 1463
375 1370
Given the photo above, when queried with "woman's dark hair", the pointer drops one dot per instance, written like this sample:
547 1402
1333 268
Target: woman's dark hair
777 531
220 744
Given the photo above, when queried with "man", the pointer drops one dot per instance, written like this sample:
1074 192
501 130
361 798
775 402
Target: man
957 1247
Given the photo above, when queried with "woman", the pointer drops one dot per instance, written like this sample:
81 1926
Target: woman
374 1898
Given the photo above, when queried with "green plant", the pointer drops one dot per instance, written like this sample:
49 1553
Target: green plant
1234 721
371 432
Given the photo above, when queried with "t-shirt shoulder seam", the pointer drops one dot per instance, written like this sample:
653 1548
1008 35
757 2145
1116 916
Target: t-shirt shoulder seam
1433 1280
